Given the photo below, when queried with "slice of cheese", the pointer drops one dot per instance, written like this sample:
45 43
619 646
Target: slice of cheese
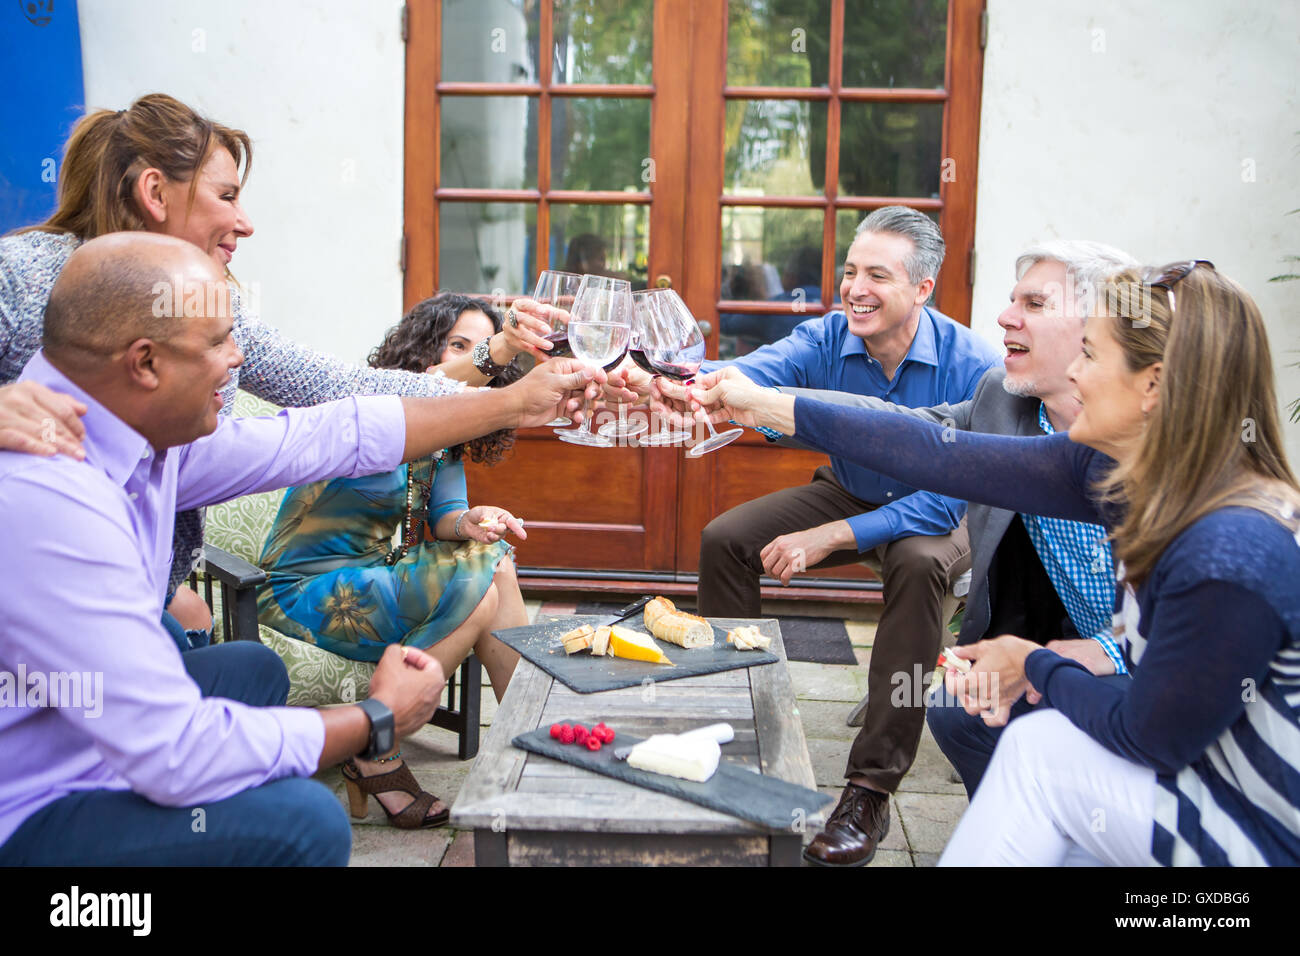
635 646
690 757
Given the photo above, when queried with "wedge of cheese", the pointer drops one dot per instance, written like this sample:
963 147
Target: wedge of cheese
635 646
600 642
578 639
690 757
748 638
667 623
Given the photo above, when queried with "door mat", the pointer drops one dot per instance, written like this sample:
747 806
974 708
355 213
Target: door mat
818 640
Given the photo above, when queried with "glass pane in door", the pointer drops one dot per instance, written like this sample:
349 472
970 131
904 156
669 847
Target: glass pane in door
602 41
486 247
612 240
474 156
775 147
891 149
895 43
778 42
600 143
768 255
490 42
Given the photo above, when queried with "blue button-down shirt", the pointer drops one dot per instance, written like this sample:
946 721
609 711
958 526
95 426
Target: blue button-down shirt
943 365
93 693
1078 561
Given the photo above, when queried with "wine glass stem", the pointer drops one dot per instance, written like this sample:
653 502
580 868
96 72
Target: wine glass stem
586 417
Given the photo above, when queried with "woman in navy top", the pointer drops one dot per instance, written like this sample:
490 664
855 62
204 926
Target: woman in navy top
1178 451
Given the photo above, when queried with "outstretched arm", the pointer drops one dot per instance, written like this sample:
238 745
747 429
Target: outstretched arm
1046 476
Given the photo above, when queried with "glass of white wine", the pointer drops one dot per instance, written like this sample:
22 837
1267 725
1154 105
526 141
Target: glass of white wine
599 329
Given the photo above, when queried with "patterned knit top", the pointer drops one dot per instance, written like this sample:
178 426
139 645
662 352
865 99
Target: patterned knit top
274 368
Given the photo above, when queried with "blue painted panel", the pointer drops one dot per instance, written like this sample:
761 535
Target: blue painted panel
40 73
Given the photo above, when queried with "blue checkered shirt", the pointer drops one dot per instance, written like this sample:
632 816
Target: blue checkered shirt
1078 561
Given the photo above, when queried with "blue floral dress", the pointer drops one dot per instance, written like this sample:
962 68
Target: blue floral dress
327 556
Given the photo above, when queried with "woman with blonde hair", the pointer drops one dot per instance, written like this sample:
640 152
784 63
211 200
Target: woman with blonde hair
161 166
1178 451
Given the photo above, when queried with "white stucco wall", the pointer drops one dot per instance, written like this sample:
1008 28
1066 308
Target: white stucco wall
319 85
1169 129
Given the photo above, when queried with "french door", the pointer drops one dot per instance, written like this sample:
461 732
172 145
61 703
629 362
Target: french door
725 148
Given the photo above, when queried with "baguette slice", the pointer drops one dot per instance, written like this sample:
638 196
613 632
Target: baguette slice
600 642
664 621
579 639
748 638
656 609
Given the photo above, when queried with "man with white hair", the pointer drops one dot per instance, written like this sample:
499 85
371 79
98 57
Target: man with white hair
1045 579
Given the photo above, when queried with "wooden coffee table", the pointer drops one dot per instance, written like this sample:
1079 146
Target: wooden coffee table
528 810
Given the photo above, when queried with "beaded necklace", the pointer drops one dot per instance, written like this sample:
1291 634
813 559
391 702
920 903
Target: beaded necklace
419 475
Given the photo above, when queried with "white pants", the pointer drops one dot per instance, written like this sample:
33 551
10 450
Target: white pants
1053 796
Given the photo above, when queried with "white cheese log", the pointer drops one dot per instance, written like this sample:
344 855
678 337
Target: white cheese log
688 756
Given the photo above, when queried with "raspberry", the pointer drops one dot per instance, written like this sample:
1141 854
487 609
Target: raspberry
593 742
555 731
580 733
607 735
566 734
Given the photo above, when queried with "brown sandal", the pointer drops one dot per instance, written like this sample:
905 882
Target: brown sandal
413 817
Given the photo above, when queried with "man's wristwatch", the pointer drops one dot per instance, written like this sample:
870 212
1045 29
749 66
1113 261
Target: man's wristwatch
482 358
383 737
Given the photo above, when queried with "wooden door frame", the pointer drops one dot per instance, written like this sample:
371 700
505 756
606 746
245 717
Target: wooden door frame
687 202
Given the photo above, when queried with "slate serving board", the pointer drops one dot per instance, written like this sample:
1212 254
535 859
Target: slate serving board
584 674
768 801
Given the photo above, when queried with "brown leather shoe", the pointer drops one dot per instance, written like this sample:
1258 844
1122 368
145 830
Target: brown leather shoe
856 827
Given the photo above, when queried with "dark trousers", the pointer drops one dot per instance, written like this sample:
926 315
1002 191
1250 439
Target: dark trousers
916 572
289 822
968 741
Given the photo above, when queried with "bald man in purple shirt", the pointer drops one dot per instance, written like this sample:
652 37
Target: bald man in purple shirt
112 754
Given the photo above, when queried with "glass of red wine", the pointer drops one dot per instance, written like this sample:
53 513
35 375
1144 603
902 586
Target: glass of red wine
558 290
674 348
599 329
646 329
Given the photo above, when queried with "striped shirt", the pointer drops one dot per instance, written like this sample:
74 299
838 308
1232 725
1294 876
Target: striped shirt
1211 635
1077 559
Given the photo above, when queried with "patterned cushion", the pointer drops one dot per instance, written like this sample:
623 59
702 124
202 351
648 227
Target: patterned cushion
316 677
241 526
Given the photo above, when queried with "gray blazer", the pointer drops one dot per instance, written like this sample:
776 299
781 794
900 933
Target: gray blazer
993 411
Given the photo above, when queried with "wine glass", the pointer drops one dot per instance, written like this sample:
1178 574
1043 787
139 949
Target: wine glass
623 428
598 332
675 349
645 330
558 290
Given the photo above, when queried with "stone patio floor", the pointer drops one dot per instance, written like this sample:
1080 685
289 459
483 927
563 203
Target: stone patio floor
924 811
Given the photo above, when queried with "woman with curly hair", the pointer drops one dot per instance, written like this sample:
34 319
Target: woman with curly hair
338 581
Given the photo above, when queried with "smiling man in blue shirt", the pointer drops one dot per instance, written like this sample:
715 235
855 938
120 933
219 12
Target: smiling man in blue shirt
886 343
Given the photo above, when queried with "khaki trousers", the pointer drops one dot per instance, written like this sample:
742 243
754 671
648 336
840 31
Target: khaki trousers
917 572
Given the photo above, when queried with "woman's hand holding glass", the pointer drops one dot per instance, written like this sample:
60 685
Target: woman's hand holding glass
533 322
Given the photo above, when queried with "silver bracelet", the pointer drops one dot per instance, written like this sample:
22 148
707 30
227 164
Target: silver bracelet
456 530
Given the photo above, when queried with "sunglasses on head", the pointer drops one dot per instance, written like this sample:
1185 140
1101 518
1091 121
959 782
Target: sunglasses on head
1170 276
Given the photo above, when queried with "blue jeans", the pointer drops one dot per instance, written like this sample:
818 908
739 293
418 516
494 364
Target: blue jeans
289 822
967 741
186 640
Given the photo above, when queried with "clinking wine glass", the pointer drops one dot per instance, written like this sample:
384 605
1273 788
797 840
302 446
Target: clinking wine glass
645 329
600 327
558 290
675 349
623 427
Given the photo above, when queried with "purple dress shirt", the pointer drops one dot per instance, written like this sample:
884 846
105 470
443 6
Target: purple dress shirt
93 693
